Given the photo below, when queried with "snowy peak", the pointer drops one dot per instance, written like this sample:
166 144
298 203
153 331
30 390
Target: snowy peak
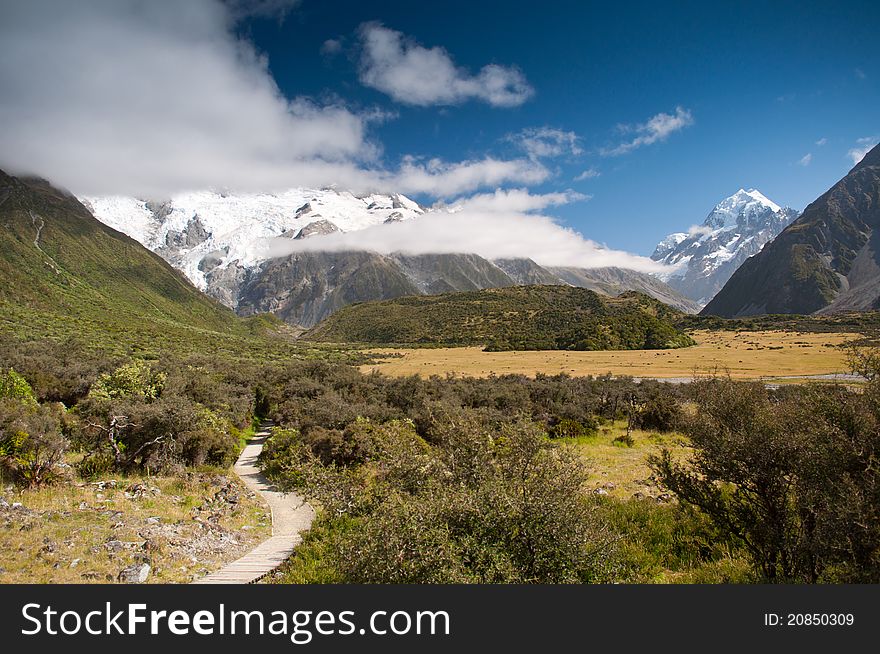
706 255
741 206
205 233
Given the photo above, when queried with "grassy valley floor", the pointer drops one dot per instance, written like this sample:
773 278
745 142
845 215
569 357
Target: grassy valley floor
767 354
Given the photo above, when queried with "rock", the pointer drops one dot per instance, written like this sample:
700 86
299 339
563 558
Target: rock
662 498
17 505
134 574
600 491
75 563
154 520
610 485
114 546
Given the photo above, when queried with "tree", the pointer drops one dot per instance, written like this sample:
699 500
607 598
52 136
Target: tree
794 476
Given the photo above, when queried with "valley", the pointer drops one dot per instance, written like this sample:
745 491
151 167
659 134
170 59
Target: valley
748 355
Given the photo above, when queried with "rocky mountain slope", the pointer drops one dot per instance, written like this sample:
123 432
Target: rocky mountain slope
218 241
827 260
707 255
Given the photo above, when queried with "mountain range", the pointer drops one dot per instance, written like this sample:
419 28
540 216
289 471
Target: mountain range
706 256
218 240
828 260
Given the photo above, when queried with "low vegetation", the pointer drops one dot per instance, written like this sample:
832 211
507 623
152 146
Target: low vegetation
514 318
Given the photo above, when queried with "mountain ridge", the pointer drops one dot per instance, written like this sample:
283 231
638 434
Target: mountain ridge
707 255
826 260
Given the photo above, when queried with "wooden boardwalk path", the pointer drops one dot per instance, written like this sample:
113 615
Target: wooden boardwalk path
291 515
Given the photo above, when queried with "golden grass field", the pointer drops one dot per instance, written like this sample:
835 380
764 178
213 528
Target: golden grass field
743 355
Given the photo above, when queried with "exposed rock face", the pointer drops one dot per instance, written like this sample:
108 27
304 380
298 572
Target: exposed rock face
614 281
707 255
827 260
306 287
317 228
193 235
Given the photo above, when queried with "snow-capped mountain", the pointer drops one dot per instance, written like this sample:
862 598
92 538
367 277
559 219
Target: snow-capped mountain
208 234
218 241
707 255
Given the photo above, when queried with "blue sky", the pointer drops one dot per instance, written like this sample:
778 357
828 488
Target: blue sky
764 82
621 121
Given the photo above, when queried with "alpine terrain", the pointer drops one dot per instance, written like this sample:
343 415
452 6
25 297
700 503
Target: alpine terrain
707 255
827 260
219 241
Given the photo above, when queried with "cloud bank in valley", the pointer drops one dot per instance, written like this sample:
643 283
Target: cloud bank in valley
493 225
153 98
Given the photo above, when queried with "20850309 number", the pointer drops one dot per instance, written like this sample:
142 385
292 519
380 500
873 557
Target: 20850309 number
809 619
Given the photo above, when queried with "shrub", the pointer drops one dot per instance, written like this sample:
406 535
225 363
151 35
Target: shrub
32 441
15 387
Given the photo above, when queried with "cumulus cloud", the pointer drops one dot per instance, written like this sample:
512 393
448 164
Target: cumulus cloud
546 142
589 173
822 141
440 178
413 74
657 128
512 200
152 98
806 159
862 147
474 229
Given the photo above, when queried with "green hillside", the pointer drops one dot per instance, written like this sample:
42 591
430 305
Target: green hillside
64 274
513 318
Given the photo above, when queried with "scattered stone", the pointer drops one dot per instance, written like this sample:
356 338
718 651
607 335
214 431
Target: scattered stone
600 491
114 546
137 491
610 485
662 498
91 575
75 563
154 520
134 574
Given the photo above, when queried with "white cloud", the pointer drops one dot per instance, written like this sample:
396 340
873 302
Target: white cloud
515 200
656 128
860 73
474 229
589 173
413 74
443 179
806 159
153 98
331 47
545 142
822 141
863 146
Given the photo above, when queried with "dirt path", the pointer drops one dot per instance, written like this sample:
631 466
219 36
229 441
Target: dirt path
291 516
